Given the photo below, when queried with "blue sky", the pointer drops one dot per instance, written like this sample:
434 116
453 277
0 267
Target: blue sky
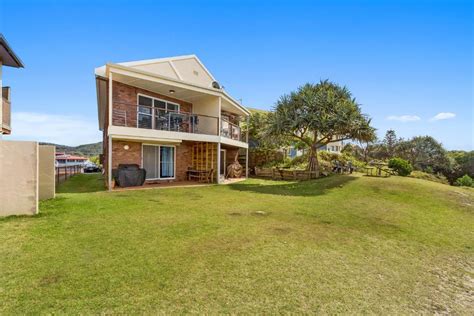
404 61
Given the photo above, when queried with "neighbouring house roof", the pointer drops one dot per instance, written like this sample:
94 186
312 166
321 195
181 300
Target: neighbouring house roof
62 155
8 56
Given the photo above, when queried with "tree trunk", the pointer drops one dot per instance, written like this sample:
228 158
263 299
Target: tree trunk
313 163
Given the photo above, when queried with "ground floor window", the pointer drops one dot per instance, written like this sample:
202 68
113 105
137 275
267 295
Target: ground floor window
159 161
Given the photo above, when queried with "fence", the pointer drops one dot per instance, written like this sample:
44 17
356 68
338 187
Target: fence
65 172
285 174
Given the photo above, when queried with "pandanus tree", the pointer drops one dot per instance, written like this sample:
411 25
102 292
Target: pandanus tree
318 114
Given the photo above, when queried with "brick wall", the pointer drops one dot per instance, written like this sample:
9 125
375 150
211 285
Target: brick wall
134 156
125 100
121 156
183 159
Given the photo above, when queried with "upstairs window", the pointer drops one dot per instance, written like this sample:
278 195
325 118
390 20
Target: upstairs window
153 112
145 112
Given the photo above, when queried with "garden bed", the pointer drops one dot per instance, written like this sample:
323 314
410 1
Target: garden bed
287 174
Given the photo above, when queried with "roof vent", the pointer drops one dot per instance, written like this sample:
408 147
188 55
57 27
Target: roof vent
216 85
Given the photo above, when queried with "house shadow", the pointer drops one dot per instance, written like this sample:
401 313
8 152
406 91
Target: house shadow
295 188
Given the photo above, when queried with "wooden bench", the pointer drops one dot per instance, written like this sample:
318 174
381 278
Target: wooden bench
200 175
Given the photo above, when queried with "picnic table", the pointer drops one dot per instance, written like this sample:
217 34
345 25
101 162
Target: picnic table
378 170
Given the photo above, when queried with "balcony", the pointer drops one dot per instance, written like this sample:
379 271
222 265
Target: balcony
231 130
155 118
140 116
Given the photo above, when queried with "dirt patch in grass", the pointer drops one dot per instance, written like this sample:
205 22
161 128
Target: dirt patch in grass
50 279
282 230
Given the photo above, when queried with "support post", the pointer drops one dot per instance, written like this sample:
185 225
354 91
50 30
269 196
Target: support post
109 138
1 101
109 163
247 149
218 162
247 163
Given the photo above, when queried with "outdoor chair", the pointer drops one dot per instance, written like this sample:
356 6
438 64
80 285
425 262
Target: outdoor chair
207 176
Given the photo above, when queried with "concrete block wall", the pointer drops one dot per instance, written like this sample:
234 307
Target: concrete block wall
47 172
19 166
27 175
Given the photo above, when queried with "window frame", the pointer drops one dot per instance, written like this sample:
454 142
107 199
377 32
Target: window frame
159 161
153 108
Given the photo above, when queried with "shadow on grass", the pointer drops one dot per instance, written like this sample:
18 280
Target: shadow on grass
301 188
82 183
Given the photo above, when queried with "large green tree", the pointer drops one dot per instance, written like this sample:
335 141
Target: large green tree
424 153
260 142
390 142
317 114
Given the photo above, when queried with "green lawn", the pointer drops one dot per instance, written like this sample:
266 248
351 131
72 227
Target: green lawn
343 244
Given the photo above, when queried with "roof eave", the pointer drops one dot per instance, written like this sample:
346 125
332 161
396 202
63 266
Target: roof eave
16 59
220 91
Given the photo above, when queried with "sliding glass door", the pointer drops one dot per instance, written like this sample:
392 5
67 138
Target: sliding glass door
159 162
166 162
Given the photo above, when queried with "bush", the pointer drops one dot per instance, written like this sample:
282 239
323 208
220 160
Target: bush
465 181
430 177
327 156
401 166
299 162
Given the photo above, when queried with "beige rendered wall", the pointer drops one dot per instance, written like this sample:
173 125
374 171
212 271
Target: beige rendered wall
163 69
47 181
18 178
207 106
191 71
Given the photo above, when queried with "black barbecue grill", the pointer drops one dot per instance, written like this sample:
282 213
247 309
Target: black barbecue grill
129 175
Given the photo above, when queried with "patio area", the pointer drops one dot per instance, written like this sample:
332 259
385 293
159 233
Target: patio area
176 184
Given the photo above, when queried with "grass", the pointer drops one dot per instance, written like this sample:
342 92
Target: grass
343 244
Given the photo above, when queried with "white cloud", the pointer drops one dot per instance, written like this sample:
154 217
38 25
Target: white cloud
404 118
52 128
443 116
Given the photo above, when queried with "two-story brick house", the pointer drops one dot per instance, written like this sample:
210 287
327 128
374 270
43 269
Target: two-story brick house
168 116
8 58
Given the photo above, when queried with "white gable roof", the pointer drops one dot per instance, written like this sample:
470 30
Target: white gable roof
185 68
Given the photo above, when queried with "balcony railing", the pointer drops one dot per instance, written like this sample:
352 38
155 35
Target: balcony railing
230 130
140 116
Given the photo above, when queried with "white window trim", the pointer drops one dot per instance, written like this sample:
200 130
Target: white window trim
159 161
153 107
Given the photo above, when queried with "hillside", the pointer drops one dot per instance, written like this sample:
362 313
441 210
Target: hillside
254 111
87 150
336 245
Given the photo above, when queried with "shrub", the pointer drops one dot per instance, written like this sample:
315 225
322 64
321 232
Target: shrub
345 158
299 162
465 181
430 177
328 156
401 166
